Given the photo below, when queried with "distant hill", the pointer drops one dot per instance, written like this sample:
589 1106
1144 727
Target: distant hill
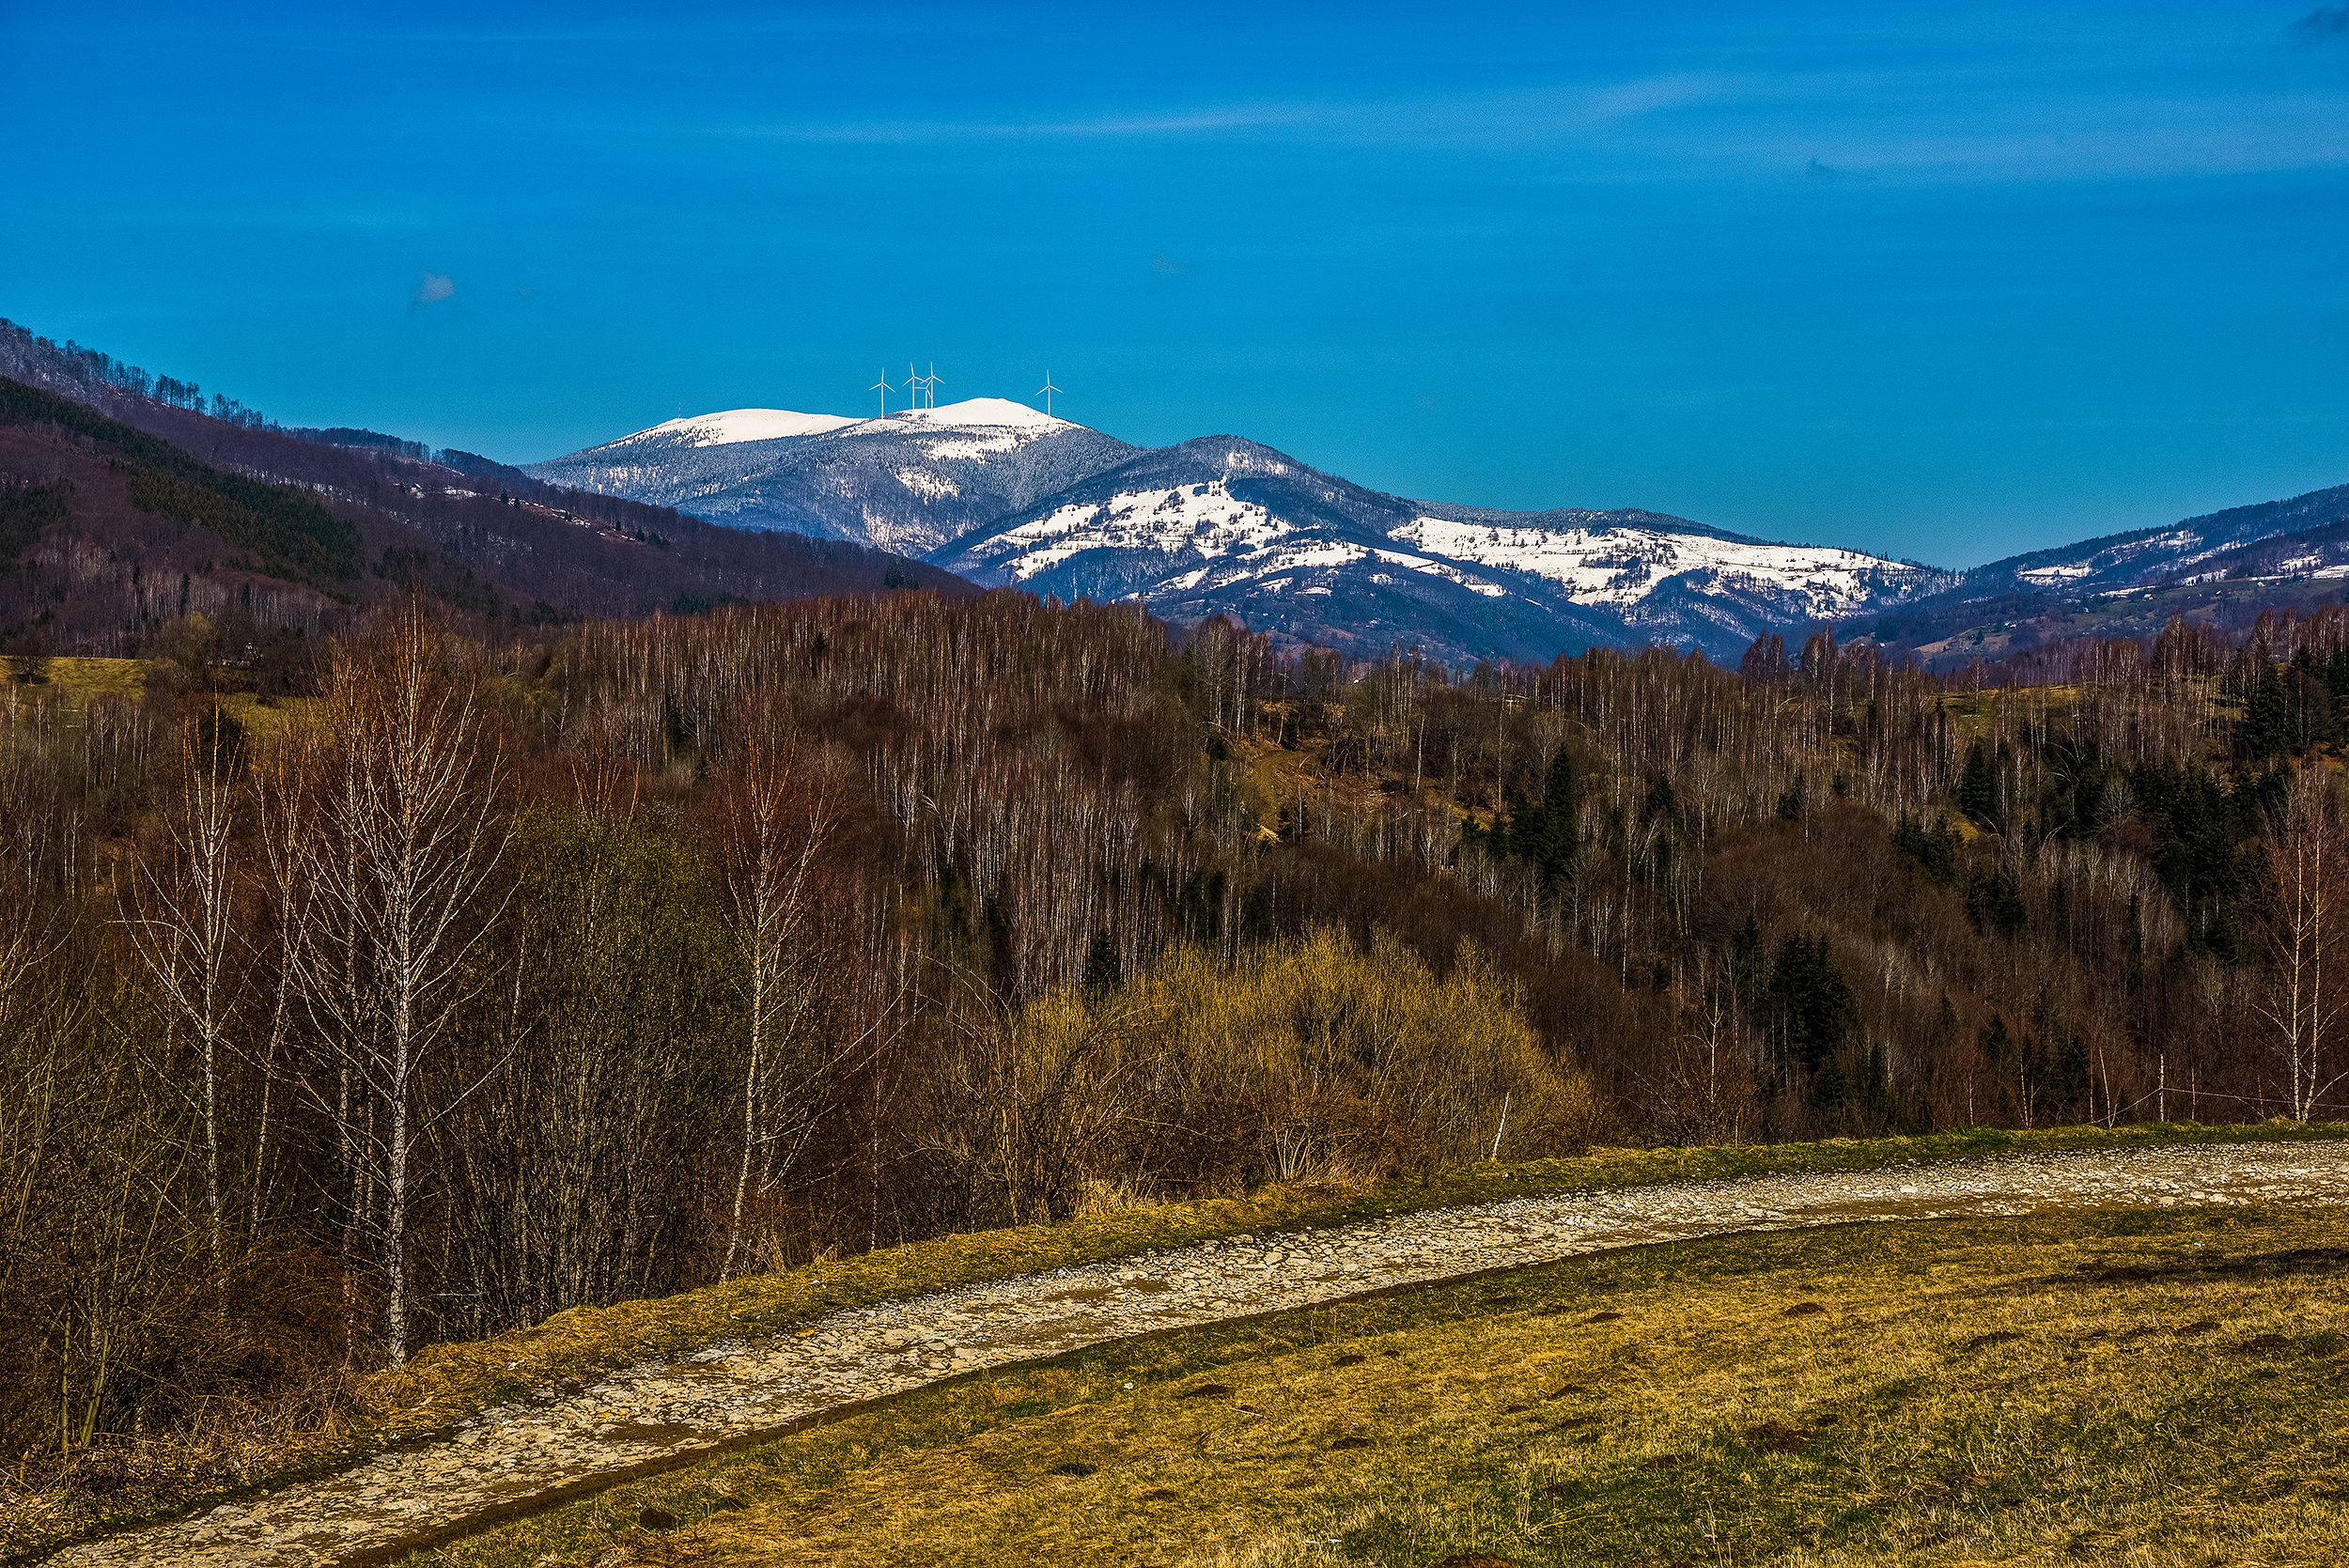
120 511
2218 569
753 503
1000 492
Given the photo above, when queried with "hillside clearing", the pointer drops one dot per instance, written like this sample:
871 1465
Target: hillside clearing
570 1436
2162 1385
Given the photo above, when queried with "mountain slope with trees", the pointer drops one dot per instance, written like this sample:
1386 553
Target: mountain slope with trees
121 509
503 963
511 975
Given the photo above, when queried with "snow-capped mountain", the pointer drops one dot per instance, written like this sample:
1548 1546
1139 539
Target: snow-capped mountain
2181 553
1226 526
2223 564
1222 525
906 483
1001 494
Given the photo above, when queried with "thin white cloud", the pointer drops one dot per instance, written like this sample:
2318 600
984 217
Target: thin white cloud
1509 117
431 288
1928 124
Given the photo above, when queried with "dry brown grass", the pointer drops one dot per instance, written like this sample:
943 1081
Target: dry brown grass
445 1383
2039 1390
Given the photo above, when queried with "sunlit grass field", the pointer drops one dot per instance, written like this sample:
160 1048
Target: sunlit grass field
447 1383
2153 1386
72 682
67 687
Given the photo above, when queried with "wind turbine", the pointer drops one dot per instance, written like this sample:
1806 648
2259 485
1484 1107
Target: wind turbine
1047 389
882 387
929 386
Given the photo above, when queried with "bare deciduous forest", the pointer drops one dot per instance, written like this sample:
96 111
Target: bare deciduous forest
473 981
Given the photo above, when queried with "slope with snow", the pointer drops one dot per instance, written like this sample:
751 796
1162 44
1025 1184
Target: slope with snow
907 482
2239 556
1222 526
1001 492
1619 560
2118 563
737 425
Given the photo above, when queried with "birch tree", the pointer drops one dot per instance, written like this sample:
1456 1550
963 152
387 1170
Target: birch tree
2303 853
773 817
397 843
178 915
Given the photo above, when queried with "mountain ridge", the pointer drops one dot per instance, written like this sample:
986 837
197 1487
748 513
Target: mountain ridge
1225 525
1051 505
1003 493
905 482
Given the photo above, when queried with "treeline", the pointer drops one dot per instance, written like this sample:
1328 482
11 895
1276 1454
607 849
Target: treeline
95 368
495 979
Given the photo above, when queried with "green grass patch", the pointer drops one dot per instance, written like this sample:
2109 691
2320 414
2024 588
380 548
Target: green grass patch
69 683
445 1384
2161 1386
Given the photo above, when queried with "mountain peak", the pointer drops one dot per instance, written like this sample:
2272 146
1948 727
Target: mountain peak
907 482
1239 455
975 413
731 426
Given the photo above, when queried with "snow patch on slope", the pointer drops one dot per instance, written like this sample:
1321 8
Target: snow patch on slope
741 425
1187 520
1619 565
928 486
974 413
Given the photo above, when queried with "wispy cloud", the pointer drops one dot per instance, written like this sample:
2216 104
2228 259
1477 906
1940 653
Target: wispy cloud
1490 117
1895 125
431 288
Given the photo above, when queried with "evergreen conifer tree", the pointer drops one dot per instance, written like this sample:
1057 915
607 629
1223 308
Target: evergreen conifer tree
1977 790
1103 973
1551 834
2267 727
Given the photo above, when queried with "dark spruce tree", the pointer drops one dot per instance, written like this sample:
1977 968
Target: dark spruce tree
2268 725
1551 834
1103 973
1814 1003
1978 789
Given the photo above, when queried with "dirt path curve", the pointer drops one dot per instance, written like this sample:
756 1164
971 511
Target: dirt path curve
657 1416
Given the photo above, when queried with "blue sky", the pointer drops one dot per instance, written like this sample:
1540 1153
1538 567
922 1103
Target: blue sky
1943 281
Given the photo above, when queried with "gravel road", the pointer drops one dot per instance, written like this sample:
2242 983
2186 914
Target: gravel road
656 1416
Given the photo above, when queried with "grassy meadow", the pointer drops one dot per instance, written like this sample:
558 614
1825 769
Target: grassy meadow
70 685
447 1383
2146 1386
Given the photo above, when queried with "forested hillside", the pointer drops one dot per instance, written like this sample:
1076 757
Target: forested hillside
127 502
508 973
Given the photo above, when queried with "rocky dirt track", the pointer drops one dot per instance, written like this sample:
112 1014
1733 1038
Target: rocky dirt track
657 1416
